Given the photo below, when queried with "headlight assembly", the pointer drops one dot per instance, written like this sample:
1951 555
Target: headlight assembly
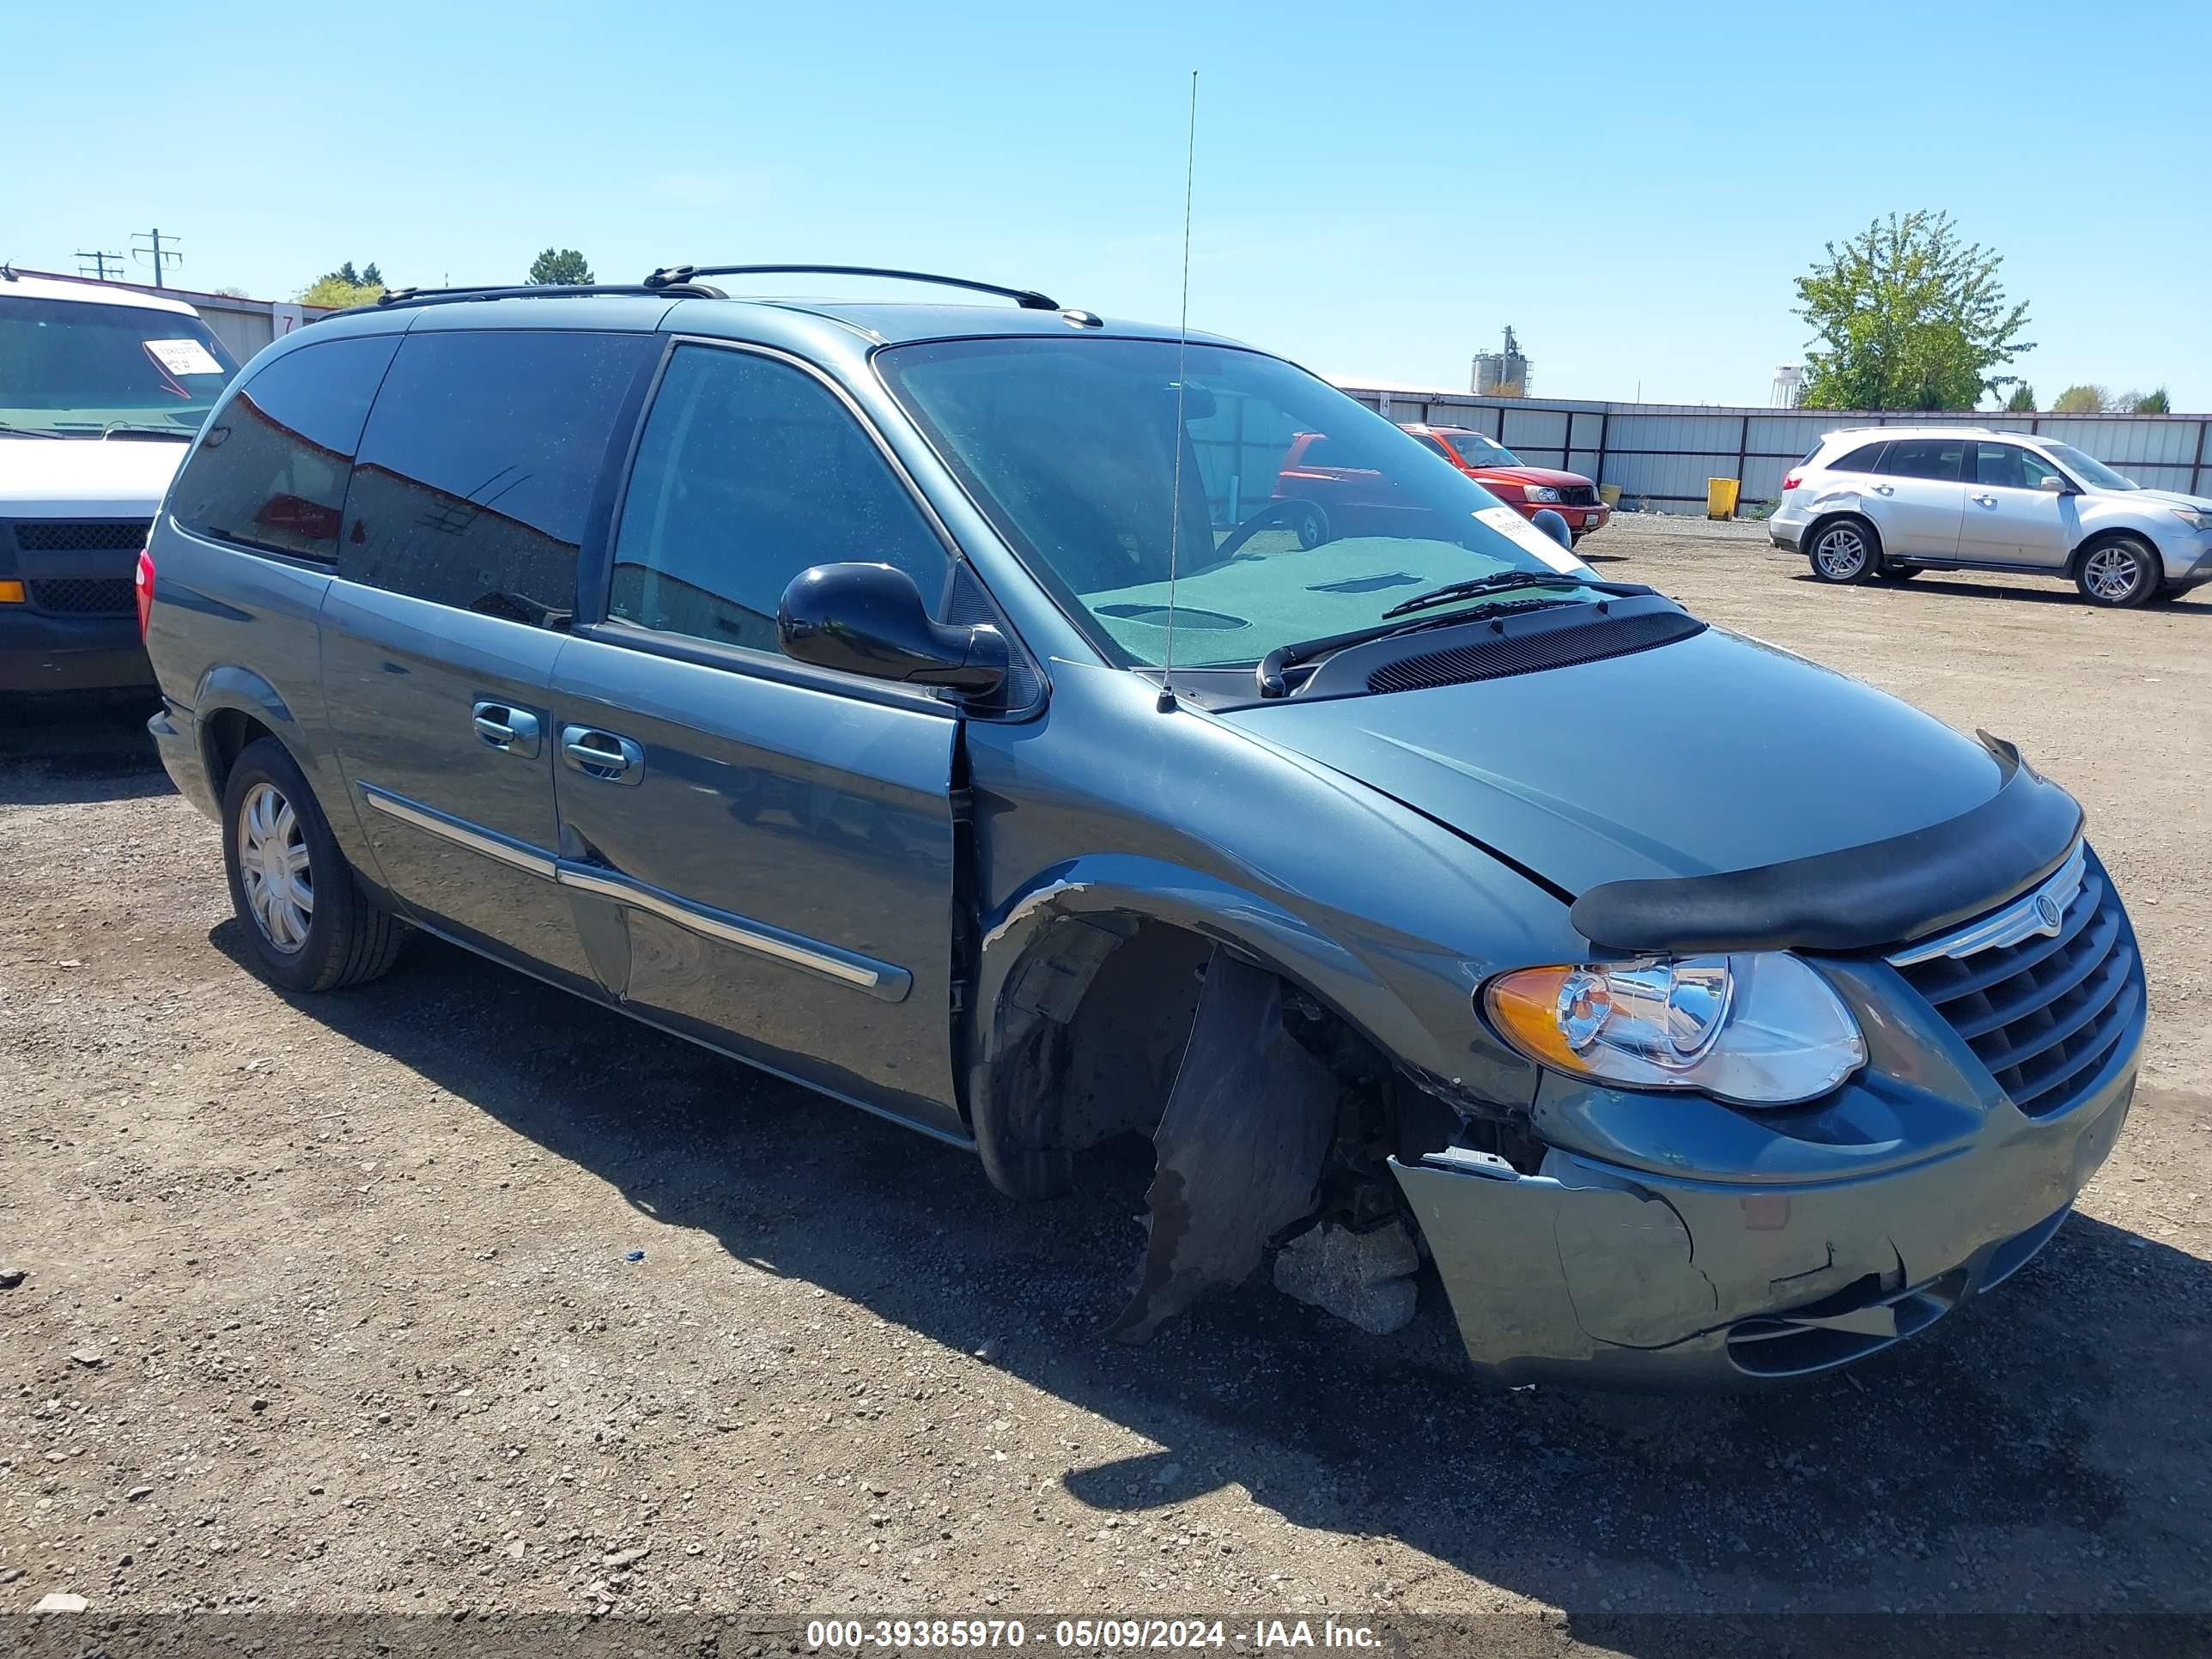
1539 492
2196 518
1753 1028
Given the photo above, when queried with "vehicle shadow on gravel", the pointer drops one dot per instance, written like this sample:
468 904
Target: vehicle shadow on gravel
52 751
1978 1454
2046 593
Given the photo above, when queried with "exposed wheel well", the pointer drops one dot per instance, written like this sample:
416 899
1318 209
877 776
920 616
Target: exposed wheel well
223 738
1090 1034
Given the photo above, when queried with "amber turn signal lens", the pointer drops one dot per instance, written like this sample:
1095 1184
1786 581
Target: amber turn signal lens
1525 1005
11 594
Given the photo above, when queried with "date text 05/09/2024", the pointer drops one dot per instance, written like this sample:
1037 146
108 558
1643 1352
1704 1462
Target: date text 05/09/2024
1125 1635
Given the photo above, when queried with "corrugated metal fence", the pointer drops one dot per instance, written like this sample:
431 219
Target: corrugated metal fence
1661 455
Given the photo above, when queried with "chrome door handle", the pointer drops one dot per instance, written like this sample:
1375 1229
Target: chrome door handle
1987 500
601 755
1884 489
514 730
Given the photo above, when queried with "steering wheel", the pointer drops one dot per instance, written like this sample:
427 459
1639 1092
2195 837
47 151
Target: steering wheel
1305 517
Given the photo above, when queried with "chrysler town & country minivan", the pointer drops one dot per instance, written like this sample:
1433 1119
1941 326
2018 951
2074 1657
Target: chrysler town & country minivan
936 705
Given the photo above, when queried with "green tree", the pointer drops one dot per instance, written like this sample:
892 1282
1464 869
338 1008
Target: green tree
345 287
2082 400
334 290
2022 401
564 266
2152 403
1907 316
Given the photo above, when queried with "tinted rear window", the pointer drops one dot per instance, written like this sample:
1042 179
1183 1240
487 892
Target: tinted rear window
272 471
1924 458
1867 458
476 473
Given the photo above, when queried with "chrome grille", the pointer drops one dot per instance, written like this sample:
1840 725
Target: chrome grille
84 596
2042 1012
81 535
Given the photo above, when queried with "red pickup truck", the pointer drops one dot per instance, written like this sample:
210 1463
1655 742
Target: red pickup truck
1527 490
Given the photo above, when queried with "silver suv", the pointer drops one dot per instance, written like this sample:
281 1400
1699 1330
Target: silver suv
1891 502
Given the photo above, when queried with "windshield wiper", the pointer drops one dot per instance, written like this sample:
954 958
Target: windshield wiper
146 430
30 432
1272 667
1496 581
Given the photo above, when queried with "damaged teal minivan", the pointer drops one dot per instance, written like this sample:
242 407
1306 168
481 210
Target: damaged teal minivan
1042 730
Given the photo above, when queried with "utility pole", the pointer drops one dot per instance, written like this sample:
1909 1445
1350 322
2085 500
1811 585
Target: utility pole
156 255
99 262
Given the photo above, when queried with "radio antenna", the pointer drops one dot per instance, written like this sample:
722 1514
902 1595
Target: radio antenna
1182 352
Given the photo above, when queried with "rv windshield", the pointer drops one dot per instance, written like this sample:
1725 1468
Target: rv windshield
75 370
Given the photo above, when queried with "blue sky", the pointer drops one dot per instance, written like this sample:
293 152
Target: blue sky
1380 187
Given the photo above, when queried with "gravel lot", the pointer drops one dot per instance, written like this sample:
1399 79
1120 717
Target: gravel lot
328 1306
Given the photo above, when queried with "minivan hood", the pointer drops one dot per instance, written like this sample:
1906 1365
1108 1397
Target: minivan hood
1716 753
86 478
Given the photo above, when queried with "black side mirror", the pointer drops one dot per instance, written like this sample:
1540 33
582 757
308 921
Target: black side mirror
869 619
1555 525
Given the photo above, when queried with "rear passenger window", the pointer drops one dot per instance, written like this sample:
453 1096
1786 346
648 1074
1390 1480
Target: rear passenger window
748 473
1867 458
272 471
1924 458
475 477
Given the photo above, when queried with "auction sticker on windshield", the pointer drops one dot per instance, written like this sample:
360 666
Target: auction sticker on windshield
182 356
1530 539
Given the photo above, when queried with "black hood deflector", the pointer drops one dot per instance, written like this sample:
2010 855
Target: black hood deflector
1883 893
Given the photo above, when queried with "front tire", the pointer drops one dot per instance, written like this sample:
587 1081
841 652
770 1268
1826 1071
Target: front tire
2118 574
1844 551
308 923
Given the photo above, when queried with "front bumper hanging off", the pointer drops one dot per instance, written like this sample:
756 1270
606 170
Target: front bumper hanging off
1611 1276
1669 1241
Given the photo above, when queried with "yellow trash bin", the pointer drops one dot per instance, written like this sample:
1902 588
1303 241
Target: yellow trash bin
1609 494
1720 497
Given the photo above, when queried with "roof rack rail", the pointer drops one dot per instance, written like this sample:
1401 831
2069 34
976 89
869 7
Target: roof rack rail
676 275
439 296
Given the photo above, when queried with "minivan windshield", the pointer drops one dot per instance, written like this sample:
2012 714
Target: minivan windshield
1292 512
2088 468
75 369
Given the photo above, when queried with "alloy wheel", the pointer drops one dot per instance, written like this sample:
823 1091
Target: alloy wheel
1841 553
2111 572
273 865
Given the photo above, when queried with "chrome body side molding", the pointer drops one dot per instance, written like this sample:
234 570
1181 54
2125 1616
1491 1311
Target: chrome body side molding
882 980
